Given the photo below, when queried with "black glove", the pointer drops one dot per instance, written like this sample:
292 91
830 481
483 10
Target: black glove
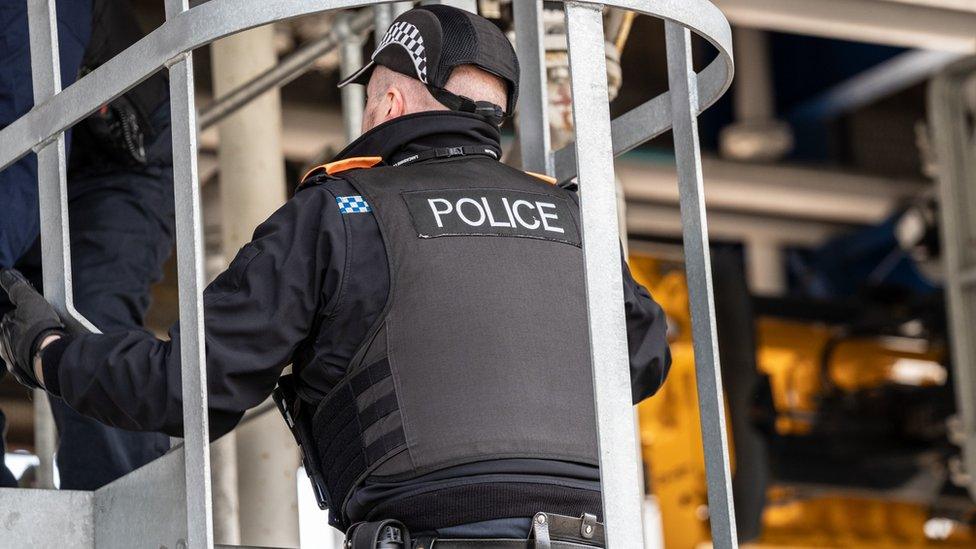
24 328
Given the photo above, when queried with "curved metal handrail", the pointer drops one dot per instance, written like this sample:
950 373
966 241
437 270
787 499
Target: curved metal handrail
169 46
216 19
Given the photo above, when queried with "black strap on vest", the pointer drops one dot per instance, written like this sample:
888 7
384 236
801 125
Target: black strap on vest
292 408
450 152
490 111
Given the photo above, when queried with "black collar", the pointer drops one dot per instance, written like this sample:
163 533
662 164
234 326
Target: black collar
418 133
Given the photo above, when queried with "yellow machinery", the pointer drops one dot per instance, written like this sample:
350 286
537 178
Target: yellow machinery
790 354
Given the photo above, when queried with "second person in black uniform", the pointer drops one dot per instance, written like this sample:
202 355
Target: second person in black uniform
430 297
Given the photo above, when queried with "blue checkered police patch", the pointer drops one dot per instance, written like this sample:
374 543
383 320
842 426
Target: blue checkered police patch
352 205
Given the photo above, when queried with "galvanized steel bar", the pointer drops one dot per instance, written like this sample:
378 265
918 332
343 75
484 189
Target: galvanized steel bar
52 168
218 18
469 5
382 19
384 15
955 144
604 282
291 67
533 121
653 117
190 272
350 61
185 30
45 439
698 268
53 204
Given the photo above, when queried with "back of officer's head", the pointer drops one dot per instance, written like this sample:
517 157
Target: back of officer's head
390 95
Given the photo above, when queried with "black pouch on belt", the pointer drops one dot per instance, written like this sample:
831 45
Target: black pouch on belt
383 534
299 423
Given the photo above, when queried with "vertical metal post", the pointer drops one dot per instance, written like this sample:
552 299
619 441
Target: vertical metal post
469 5
604 283
955 146
684 112
189 255
52 167
252 174
534 133
383 16
53 203
350 60
45 439
382 19
753 99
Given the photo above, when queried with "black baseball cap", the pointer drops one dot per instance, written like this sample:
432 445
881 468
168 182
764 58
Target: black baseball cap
428 42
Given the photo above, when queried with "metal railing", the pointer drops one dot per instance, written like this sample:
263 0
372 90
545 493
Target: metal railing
952 107
154 520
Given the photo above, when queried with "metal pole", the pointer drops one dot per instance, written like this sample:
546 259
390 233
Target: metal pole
293 66
604 282
190 272
53 202
268 462
45 439
224 482
684 112
534 132
384 15
252 182
469 5
754 87
765 266
350 60
382 19
954 143
52 169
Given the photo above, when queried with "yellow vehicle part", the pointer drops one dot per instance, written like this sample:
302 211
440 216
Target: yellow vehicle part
790 354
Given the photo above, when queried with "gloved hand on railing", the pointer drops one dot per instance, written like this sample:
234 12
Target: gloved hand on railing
24 328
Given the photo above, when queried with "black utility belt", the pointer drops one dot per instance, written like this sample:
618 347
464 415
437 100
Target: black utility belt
549 531
501 544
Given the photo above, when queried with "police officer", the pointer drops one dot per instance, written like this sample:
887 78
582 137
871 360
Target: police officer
431 300
120 200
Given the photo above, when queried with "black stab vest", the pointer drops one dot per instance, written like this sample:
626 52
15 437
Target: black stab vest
482 350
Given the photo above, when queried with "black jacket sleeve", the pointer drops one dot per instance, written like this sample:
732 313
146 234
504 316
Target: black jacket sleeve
647 339
257 313
647 335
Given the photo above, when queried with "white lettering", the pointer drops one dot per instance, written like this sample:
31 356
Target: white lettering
547 216
439 213
515 210
508 210
481 213
491 217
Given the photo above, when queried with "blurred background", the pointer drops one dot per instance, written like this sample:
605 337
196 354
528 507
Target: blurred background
838 173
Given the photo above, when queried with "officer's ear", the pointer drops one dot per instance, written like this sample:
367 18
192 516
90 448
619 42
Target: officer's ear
394 104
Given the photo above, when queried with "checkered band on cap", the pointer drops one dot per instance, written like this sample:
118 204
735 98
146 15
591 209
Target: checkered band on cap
407 36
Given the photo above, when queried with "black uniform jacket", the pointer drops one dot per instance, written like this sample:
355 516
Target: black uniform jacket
305 290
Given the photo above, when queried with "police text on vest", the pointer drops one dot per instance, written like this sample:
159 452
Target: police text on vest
492 212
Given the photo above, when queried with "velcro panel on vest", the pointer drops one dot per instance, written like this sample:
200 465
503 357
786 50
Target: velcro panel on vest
340 423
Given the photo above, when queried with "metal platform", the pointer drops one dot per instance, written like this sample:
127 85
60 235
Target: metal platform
168 503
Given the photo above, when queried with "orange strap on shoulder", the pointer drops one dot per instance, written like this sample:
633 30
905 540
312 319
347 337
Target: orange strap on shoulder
339 166
543 177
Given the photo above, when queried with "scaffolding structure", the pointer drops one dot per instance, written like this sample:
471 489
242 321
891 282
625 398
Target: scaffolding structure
168 502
